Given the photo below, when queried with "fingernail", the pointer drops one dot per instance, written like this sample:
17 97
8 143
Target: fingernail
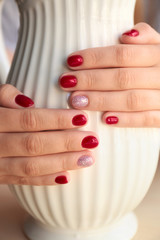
90 142
61 180
24 101
80 101
132 33
75 61
68 81
85 161
79 120
112 120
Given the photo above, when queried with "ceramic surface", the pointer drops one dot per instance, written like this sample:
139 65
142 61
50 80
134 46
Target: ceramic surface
4 62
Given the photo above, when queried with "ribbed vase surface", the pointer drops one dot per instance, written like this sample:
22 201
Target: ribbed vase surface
96 202
4 62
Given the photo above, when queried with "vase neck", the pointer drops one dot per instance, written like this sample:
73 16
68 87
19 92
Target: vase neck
101 9
52 29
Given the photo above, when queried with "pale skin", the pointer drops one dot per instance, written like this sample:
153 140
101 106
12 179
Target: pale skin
35 151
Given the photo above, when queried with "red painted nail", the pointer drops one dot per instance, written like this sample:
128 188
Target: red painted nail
90 142
132 33
79 120
61 180
75 61
24 101
112 120
68 81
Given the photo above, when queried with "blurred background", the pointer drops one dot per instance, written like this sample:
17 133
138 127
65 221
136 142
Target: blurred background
149 12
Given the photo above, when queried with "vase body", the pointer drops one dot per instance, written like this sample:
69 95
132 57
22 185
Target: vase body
4 62
98 199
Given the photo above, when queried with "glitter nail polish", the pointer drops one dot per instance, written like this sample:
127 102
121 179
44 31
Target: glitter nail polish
80 101
85 161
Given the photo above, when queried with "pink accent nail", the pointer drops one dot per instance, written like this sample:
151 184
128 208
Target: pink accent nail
85 161
80 101
132 33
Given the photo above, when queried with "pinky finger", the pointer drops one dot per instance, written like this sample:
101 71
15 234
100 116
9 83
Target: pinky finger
54 179
132 119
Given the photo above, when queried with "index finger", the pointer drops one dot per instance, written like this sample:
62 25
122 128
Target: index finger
115 56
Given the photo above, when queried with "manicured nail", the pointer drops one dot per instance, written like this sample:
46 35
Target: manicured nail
90 142
68 81
24 101
79 120
61 180
132 33
85 161
75 61
112 120
80 101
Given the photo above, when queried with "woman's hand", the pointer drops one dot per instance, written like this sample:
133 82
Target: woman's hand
33 148
122 80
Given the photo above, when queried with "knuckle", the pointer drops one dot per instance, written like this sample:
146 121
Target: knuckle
149 119
4 89
22 181
31 168
59 122
68 144
123 54
146 120
94 57
144 26
64 165
33 145
89 80
124 79
29 120
133 101
101 103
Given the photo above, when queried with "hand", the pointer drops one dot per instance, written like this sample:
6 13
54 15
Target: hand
34 149
122 80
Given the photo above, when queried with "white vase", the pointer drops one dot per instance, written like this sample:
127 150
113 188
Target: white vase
4 62
97 204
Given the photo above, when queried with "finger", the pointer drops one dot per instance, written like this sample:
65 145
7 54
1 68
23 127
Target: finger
11 97
54 179
42 143
112 79
31 120
133 119
142 33
39 166
122 55
128 101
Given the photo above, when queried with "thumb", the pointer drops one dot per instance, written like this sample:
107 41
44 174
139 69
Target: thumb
11 97
142 33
